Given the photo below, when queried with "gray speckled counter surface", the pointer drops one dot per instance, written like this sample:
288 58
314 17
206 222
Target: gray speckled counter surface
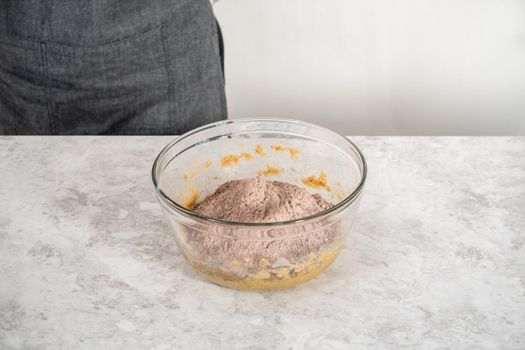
436 258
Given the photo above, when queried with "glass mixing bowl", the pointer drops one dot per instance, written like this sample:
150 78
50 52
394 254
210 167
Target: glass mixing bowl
259 256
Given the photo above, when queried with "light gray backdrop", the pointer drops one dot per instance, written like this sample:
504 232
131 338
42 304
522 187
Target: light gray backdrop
441 67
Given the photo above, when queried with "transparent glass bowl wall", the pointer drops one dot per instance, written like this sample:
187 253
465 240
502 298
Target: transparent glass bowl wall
254 255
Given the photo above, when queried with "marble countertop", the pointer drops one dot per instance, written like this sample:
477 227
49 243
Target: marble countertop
436 258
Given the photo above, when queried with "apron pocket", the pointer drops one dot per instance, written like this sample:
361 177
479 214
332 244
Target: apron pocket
116 88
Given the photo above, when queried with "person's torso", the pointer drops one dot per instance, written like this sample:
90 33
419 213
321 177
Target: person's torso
108 66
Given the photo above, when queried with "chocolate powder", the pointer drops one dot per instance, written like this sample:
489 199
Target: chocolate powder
237 252
257 200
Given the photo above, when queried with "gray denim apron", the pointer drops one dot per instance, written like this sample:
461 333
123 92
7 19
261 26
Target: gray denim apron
109 66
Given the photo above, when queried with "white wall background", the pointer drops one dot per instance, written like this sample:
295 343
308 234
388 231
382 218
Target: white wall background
379 67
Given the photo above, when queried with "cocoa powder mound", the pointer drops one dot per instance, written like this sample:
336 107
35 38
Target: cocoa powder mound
256 200
236 252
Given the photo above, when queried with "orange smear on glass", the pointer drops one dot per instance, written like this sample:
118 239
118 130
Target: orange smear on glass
190 200
259 150
317 182
246 155
188 177
232 159
229 160
207 165
270 170
293 151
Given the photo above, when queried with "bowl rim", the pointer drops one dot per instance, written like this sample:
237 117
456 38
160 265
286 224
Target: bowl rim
165 199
